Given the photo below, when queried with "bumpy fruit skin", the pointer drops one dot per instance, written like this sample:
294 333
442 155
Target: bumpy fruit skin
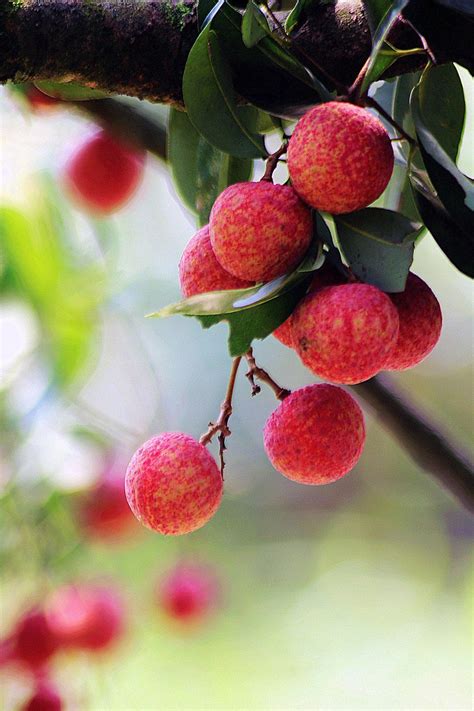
420 324
104 512
199 270
86 617
189 593
259 231
316 435
45 698
173 484
103 173
340 157
33 640
326 276
345 334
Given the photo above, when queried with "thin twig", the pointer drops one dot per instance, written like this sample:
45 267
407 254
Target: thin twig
272 162
369 101
221 425
423 439
255 371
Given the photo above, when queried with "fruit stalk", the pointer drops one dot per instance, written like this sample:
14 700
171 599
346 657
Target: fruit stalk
256 372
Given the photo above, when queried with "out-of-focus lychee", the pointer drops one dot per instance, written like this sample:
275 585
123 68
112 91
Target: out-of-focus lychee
188 593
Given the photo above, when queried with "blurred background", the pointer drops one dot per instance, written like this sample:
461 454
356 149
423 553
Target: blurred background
352 596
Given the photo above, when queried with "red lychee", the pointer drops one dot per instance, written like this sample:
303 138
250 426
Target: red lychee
340 157
45 698
173 484
33 642
259 231
103 173
86 616
199 270
420 324
104 511
326 276
316 435
188 593
345 333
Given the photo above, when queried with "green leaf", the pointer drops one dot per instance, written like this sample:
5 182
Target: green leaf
209 97
377 62
375 10
258 322
441 104
254 25
296 14
206 11
378 245
70 91
455 190
200 171
465 7
457 245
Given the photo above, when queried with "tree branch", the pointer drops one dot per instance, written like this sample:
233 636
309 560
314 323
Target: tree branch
423 439
139 47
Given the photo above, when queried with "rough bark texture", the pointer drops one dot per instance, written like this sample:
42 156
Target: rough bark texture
139 47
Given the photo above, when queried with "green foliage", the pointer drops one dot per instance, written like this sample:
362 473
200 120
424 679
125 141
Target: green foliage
70 91
378 246
254 25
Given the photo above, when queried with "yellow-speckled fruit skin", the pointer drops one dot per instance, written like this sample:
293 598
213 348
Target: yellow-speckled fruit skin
259 231
340 157
345 334
173 484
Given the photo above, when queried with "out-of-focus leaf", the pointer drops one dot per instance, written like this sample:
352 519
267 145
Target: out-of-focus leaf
210 100
378 245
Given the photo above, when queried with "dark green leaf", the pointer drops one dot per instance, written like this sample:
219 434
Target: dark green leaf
466 7
210 100
69 91
254 25
454 189
200 171
296 14
378 245
457 245
206 11
376 64
375 10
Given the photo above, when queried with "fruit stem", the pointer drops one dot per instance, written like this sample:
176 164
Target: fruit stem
369 101
221 425
272 162
256 372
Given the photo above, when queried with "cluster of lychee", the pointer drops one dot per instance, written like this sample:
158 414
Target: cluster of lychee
339 159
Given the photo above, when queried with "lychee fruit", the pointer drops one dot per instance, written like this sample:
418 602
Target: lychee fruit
340 157
173 484
327 275
33 641
39 101
44 698
188 593
86 616
103 173
420 324
199 270
316 435
259 231
103 511
345 333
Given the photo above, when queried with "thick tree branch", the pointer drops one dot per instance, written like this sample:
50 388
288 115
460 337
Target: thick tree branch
423 439
139 47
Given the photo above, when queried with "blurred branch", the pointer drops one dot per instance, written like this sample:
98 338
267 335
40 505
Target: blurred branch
422 438
128 123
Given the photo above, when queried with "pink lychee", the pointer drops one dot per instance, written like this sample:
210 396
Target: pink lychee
86 616
33 641
259 231
103 173
104 512
420 324
44 698
199 270
345 333
188 593
340 157
326 276
316 435
173 484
